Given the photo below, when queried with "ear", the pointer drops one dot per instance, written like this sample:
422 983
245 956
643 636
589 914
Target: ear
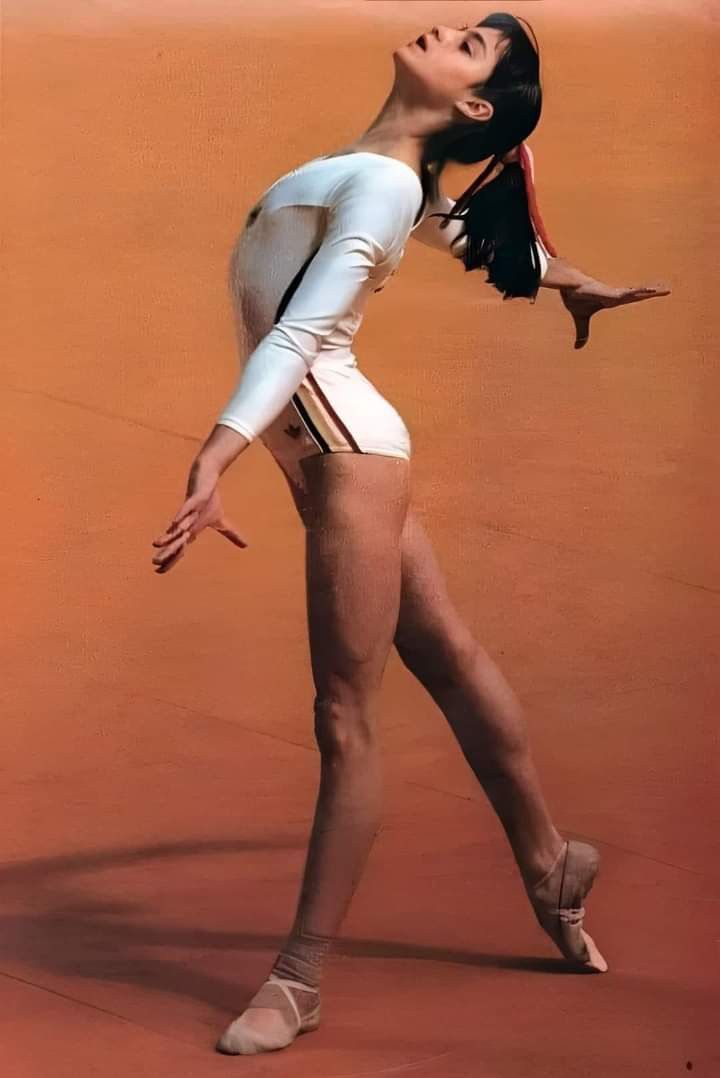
475 108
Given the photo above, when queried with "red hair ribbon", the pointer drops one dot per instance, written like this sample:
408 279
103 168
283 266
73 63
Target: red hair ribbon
526 163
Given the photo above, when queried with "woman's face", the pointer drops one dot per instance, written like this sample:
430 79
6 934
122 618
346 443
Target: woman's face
443 63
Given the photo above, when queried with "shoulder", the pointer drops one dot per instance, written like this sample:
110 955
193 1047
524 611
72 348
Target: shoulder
376 174
378 193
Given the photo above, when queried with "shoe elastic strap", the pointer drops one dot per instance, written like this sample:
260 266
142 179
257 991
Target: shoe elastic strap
570 914
556 862
286 985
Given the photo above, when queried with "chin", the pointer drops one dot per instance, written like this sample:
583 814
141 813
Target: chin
402 52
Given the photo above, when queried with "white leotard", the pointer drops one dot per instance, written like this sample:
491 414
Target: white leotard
324 236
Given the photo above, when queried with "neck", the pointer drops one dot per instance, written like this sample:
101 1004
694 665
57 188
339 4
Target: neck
399 130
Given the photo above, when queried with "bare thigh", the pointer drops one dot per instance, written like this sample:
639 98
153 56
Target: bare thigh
430 635
353 508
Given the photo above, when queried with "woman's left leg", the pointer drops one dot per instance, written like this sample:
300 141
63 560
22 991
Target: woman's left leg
487 720
437 646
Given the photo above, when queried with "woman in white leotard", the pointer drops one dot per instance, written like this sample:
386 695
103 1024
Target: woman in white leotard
344 221
321 240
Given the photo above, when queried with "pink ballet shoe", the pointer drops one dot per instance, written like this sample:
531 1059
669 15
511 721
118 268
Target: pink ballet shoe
557 902
240 1039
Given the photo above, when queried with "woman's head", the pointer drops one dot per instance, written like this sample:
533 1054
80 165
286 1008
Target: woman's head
479 87
477 93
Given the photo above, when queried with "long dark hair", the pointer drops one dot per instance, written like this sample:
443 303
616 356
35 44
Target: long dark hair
500 216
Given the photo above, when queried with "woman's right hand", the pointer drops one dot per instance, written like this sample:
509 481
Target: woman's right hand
201 509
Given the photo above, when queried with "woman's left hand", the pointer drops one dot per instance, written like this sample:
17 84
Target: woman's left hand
592 296
201 509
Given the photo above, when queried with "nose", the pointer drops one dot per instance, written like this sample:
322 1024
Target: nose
441 32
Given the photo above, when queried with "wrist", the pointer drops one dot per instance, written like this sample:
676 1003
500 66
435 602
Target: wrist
221 448
562 274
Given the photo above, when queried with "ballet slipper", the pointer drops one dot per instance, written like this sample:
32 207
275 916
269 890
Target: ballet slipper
557 902
240 1039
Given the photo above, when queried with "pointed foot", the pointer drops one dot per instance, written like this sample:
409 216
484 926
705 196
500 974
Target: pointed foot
557 900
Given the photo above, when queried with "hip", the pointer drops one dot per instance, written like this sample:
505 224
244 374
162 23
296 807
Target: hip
335 410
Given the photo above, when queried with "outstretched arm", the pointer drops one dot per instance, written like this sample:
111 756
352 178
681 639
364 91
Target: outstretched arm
582 295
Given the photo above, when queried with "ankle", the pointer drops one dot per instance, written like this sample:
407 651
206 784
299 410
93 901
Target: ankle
302 957
541 863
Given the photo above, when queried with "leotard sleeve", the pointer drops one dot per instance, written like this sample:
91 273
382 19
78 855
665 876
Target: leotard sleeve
453 239
370 215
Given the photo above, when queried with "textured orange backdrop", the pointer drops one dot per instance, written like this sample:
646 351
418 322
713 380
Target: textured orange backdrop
160 766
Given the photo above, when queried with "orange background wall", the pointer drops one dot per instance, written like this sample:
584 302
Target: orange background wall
572 495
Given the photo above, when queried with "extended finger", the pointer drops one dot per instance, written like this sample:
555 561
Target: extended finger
168 555
170 561
234 536
634 295
174 530
170 550
582 329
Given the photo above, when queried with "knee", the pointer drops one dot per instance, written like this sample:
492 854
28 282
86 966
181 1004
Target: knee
344 723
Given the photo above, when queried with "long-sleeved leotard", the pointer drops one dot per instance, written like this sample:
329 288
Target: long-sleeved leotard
322 239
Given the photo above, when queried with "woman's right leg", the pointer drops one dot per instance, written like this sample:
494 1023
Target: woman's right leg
353 507
354 518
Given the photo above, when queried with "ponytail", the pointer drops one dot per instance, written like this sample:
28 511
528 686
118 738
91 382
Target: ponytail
502 223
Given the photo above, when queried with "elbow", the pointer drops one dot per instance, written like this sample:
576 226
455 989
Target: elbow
458 246
298 342
240 427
